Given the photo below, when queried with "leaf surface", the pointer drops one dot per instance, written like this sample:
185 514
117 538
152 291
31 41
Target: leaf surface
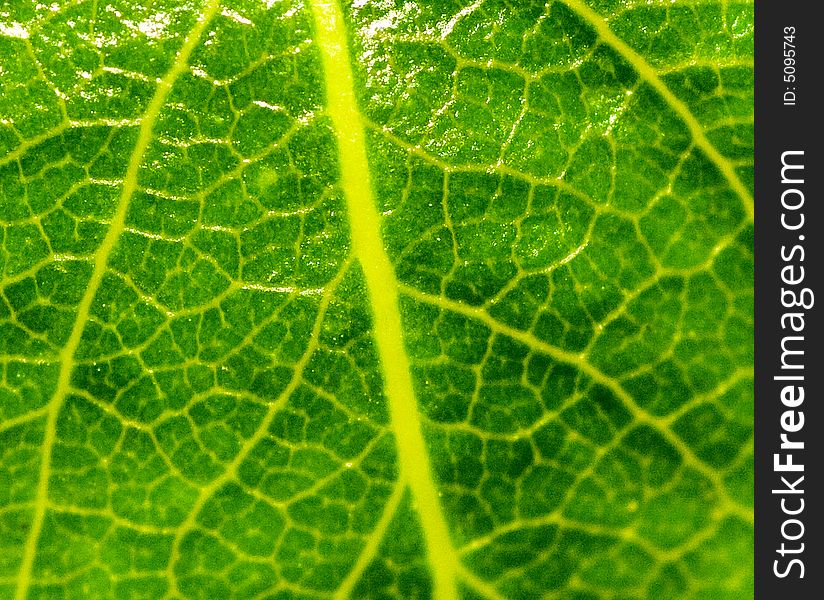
376 300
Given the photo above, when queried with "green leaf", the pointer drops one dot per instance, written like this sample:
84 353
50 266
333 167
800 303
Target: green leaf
381 300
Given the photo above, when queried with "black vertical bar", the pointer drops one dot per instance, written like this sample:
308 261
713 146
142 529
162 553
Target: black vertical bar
788 104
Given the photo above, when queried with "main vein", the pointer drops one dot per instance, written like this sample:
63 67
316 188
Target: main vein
648 73
101 259
382 285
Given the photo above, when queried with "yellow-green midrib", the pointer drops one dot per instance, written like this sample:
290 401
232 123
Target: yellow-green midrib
382 286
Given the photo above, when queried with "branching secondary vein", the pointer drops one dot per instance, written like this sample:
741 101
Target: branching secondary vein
101 259
649 75
579 361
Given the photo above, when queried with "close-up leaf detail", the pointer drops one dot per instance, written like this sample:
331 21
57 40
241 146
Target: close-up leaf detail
376 299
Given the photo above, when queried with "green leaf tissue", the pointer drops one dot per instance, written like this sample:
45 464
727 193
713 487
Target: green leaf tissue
376 299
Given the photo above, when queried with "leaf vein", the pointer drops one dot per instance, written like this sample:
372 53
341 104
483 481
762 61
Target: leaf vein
83 310
648 73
